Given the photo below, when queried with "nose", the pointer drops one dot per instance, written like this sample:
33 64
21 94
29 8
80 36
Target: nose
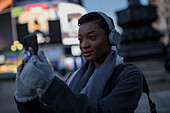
85 44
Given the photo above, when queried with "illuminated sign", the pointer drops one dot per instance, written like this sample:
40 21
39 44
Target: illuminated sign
2 59
69 15
75 50
36 16
39 16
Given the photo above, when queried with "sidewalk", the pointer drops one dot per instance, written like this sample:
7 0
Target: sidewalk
161 99
159 84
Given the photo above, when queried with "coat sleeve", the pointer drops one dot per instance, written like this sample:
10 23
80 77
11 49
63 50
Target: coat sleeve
123 98
59 98
33 106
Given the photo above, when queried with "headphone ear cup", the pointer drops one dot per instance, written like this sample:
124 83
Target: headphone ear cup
114 38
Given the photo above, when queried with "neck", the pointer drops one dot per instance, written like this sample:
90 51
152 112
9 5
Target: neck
100 61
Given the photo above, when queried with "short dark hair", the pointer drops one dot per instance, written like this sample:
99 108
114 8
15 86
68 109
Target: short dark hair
98 19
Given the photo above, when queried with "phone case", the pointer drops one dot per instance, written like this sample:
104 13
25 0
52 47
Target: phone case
31 41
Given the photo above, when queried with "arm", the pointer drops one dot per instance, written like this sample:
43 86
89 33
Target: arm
123 98
33 106
59 97
29 79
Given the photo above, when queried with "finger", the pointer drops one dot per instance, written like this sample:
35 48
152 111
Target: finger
32 52
22 64
19 69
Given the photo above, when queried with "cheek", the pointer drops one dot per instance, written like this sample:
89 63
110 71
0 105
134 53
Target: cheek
102 47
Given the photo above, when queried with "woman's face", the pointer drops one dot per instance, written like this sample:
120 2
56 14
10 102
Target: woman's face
93 43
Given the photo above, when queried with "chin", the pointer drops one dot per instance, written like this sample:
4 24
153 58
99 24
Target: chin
88 59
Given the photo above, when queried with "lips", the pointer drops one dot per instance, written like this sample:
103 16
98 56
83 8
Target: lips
87 53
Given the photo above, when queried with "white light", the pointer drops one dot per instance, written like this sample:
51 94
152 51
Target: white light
69 24
52 14
70 41
69 63
36 10
2 59
75 50
40 38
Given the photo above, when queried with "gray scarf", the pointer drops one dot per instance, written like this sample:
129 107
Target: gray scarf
91 81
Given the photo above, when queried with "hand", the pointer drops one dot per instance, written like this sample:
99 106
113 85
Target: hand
25 86
46 68
36 74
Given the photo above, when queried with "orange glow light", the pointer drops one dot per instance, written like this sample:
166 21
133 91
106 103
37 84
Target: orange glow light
5 4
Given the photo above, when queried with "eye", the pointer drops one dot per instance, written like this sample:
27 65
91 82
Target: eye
92 37
80 40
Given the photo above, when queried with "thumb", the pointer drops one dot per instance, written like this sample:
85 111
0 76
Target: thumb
42 56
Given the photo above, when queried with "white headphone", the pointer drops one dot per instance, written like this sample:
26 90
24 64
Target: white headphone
114 36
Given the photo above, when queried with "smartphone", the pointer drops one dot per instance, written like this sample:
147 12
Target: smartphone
30 41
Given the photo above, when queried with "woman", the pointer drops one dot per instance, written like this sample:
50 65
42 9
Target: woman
94 88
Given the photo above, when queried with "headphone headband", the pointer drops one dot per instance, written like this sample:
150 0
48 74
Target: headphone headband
114 36
111 26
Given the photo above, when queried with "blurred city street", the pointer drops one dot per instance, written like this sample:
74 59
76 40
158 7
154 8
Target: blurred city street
145 41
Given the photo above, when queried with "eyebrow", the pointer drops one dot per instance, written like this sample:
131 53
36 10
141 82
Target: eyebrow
88 33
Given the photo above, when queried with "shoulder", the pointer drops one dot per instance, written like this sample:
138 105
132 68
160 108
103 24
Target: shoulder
130 68
127 68
125 77
130 71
